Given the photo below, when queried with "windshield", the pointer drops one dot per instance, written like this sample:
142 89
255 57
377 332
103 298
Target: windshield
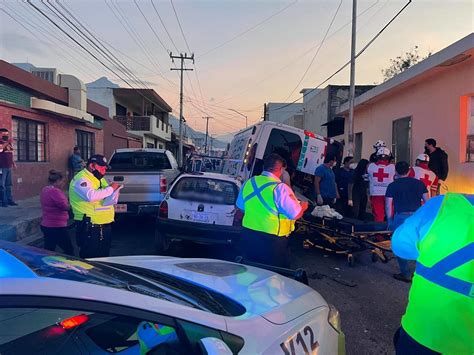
139 161
133 279
201 189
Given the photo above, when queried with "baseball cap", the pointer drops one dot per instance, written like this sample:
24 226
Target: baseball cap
98 159
423 157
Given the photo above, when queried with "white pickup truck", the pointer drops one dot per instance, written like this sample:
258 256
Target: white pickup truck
146 174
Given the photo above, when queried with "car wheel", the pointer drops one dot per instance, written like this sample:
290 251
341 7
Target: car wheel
162 243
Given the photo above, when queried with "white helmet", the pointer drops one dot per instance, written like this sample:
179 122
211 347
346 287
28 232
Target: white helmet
423 157
379 144
383 152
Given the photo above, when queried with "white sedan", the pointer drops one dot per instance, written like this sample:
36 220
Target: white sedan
56 304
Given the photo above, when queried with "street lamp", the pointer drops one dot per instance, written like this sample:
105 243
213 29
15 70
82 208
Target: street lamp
241 114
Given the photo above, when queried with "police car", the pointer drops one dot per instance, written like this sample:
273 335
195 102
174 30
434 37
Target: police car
57 304
199 207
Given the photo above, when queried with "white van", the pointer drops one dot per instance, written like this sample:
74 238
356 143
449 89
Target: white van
303 151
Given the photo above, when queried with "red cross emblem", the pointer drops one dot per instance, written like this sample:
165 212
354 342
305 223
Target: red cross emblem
380 175
426 180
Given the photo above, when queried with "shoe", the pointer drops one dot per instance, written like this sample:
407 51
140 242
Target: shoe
12 203
401 277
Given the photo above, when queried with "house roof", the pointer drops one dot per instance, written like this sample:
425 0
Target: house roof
149 94
15 76
457 52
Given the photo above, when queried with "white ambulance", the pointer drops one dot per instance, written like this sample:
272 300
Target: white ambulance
303 151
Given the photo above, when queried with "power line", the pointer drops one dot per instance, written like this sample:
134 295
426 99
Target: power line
164 26
317 52
152 29
180 27
345 65
249 29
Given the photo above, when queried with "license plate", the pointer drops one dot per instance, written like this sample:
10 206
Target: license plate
200 217
120 208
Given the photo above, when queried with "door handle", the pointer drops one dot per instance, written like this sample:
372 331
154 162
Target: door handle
118 178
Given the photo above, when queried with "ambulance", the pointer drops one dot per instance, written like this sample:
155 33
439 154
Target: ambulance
303 151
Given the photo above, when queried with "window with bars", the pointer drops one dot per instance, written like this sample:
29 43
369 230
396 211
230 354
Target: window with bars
85 142
29 140
470 130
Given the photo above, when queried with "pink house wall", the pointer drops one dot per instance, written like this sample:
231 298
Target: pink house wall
436 103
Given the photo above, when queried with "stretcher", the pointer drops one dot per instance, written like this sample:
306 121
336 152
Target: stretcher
346 236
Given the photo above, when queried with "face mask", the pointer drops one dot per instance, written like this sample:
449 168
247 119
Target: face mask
352 166
5 138
97 174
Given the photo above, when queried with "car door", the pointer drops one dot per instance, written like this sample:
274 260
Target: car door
202 199
67 326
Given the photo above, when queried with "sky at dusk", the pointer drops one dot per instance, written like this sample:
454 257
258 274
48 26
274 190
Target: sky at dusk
247 53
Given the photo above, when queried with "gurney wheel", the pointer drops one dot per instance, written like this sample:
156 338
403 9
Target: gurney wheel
350 260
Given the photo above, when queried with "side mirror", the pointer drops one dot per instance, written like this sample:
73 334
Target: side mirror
214 346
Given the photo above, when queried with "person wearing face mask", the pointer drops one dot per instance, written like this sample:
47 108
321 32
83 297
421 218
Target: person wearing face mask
6 165
92 200
325 186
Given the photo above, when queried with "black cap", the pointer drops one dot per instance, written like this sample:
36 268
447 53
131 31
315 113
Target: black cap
98 159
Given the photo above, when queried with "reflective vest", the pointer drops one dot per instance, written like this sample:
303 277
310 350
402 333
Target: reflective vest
440 311
261 212
150 335
98 213
380 176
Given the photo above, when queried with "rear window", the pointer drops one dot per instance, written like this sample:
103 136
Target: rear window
139 161
206 190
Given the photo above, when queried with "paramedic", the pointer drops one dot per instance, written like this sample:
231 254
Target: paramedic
381 175
405 195
440 237
270 209
422 172
377 145
325 186
92 201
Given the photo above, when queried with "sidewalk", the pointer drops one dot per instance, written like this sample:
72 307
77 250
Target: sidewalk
21 223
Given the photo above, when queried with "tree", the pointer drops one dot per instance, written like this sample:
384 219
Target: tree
402 63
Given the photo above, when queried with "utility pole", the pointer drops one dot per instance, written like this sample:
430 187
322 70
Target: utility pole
181 69
207 118
352 83
212 140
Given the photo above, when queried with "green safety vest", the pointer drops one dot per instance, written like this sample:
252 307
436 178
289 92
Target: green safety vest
440 311
98 213
261 213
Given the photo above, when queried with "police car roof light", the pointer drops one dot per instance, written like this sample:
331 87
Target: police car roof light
73 322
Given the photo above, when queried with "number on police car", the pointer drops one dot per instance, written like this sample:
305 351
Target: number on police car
300 342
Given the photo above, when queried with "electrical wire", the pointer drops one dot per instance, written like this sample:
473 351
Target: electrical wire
316 53
349 62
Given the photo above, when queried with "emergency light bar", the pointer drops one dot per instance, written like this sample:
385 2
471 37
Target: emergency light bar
73 322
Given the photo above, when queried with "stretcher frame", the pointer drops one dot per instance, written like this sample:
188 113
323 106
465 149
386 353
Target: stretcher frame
328 236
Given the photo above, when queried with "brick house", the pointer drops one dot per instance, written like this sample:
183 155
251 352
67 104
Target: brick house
46 121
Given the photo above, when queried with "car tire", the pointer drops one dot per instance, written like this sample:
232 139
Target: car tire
162 243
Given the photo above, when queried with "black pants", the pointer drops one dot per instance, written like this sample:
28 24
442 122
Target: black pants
94 240
54 236
265 248
360 206
406 345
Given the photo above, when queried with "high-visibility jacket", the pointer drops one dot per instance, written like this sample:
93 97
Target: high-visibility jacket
440 311
380 176
96 210
151 335
261 212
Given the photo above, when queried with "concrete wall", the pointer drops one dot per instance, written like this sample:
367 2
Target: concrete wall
116 136
275 114
103 96
316 112
30 177
437 105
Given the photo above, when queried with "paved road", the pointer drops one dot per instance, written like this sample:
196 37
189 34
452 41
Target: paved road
370 301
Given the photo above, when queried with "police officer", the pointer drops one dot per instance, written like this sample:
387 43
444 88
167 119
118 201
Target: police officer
92 200
439 315
270 209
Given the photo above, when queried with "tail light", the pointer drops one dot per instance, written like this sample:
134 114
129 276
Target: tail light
163 185
163 210
238 216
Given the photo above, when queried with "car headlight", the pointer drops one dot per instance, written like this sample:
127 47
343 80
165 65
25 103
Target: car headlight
334 319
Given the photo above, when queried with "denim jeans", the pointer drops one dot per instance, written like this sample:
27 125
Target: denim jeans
6 186
397 221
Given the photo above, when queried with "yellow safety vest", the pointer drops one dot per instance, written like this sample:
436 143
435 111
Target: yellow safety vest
261 213
440 311
98 213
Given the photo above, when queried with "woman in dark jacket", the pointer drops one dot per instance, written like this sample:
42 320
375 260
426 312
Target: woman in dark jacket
358 191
